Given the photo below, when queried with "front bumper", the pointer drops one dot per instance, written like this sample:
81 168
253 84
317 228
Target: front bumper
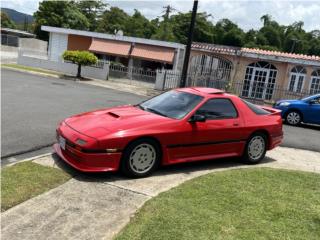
89 162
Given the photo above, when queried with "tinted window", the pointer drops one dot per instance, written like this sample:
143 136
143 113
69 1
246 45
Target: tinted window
316 100
257 110
173 104
218 108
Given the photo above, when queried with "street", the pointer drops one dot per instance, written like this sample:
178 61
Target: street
32 106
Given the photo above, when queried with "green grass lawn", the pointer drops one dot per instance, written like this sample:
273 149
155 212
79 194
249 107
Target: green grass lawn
244 204
26 180
40 70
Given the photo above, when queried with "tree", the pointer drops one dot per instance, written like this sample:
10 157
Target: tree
203 30
272 35
228 33
113 20
58 14
139 26
6 21
93 11
234 37
81 58
266 19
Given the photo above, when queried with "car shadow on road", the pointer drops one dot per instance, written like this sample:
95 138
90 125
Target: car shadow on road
308 126
181 168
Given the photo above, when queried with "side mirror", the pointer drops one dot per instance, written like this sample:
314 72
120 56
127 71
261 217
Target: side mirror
197 118
312 101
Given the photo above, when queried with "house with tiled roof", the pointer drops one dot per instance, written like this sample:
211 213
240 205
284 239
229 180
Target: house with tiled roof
257 73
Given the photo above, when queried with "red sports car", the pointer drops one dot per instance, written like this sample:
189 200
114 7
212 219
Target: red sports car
181 125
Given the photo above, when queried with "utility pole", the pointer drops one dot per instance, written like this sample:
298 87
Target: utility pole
25 24
168 10
188 47
294 41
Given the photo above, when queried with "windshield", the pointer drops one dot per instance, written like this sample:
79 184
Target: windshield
309 98
172 104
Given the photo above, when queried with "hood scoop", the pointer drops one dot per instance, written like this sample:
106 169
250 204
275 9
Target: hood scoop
113 114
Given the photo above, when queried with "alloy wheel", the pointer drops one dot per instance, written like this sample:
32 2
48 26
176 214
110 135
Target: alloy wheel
142 158
293 118
256 147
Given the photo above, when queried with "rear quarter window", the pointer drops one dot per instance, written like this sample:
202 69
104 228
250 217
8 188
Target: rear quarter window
254 108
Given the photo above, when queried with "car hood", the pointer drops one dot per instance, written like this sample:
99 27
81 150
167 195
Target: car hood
289 101
99 123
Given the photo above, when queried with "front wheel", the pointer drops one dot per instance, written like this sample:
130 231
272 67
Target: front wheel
141 158
293 118
256 148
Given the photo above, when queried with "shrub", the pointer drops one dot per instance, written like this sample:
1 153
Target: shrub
81 58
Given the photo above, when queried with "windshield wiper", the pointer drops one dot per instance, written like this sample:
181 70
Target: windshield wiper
140 106
155 111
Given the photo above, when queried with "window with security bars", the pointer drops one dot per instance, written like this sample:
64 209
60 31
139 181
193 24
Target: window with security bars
315 82
260 80
297 77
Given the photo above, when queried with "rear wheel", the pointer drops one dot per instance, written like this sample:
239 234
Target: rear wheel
256 148
141 158
293 118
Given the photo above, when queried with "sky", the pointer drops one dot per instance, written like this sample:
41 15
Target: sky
246 13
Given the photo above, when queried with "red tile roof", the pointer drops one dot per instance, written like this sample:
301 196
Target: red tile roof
237 50
280 54
215 48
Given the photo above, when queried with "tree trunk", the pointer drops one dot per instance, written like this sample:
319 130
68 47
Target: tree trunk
79 71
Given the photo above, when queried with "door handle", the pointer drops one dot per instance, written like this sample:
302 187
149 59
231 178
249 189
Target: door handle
235 124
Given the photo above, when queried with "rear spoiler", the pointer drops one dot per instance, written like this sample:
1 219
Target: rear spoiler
273 111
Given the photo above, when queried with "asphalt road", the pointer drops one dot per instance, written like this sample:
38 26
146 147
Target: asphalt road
32 106
305 137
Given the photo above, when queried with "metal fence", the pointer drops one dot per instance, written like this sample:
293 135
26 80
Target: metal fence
9 40
132 73
255 92
261 94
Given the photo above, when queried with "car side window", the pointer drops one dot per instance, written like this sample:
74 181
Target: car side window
219 108
317 100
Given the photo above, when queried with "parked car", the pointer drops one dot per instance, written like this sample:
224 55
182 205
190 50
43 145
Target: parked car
182 125
306 110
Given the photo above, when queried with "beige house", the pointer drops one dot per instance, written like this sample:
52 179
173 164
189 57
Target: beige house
255 73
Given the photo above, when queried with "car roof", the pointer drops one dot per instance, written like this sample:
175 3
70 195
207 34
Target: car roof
203 91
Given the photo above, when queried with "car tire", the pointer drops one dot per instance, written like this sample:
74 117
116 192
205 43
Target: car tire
293 118
256 148
141 158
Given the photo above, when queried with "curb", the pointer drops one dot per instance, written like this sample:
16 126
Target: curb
32 72
30 159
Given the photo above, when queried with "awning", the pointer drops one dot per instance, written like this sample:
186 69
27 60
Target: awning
110 47
153 53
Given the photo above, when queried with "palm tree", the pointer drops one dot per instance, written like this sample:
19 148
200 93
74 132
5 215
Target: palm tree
266 19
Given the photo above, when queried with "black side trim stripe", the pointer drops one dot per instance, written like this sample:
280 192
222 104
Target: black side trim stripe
205 143
277 135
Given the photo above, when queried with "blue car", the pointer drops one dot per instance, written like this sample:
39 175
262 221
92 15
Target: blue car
306 110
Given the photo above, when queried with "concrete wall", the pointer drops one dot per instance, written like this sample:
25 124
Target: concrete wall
58 43
66 68
33 44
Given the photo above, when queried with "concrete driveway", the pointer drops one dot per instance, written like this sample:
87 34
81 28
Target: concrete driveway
98 206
